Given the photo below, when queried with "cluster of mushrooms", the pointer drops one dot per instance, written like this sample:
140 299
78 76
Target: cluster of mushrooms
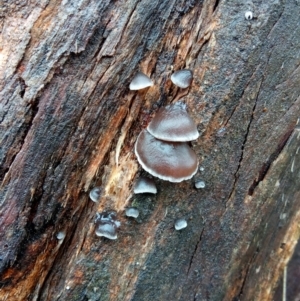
106 223
162 150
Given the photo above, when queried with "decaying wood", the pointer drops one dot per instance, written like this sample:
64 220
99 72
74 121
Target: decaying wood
288 285
69 123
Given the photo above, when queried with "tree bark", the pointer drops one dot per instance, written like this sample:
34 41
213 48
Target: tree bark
69 123
288 284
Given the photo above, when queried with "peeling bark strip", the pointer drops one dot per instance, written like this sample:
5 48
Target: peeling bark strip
68 122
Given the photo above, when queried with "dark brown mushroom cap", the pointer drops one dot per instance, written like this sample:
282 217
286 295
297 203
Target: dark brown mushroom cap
170 161
182 78
173 123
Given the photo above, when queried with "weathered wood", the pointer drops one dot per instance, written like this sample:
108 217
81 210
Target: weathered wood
288 284
67 116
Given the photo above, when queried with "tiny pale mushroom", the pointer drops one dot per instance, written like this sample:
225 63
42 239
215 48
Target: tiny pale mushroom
200 184
106 225
182 78
248 15
107 230
95 194
132 212
140 81
144 185
60 235
180 224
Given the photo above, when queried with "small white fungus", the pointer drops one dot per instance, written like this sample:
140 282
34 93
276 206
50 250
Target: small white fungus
180 224
140 81
107 230
117 223
248 15
132 212
283 216
95 194
60 235
182 78
145 185
107 224
200 184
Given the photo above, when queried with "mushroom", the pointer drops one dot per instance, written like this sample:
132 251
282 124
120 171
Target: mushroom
60 235
180 224
170 161
107 230
182 78
173 123
248 15
140 81
144 185
106 225
132 212
95 194
200 184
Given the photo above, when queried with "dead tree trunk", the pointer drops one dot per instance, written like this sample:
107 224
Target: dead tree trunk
66 112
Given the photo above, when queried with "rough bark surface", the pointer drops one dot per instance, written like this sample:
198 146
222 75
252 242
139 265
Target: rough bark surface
68 122
289 283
